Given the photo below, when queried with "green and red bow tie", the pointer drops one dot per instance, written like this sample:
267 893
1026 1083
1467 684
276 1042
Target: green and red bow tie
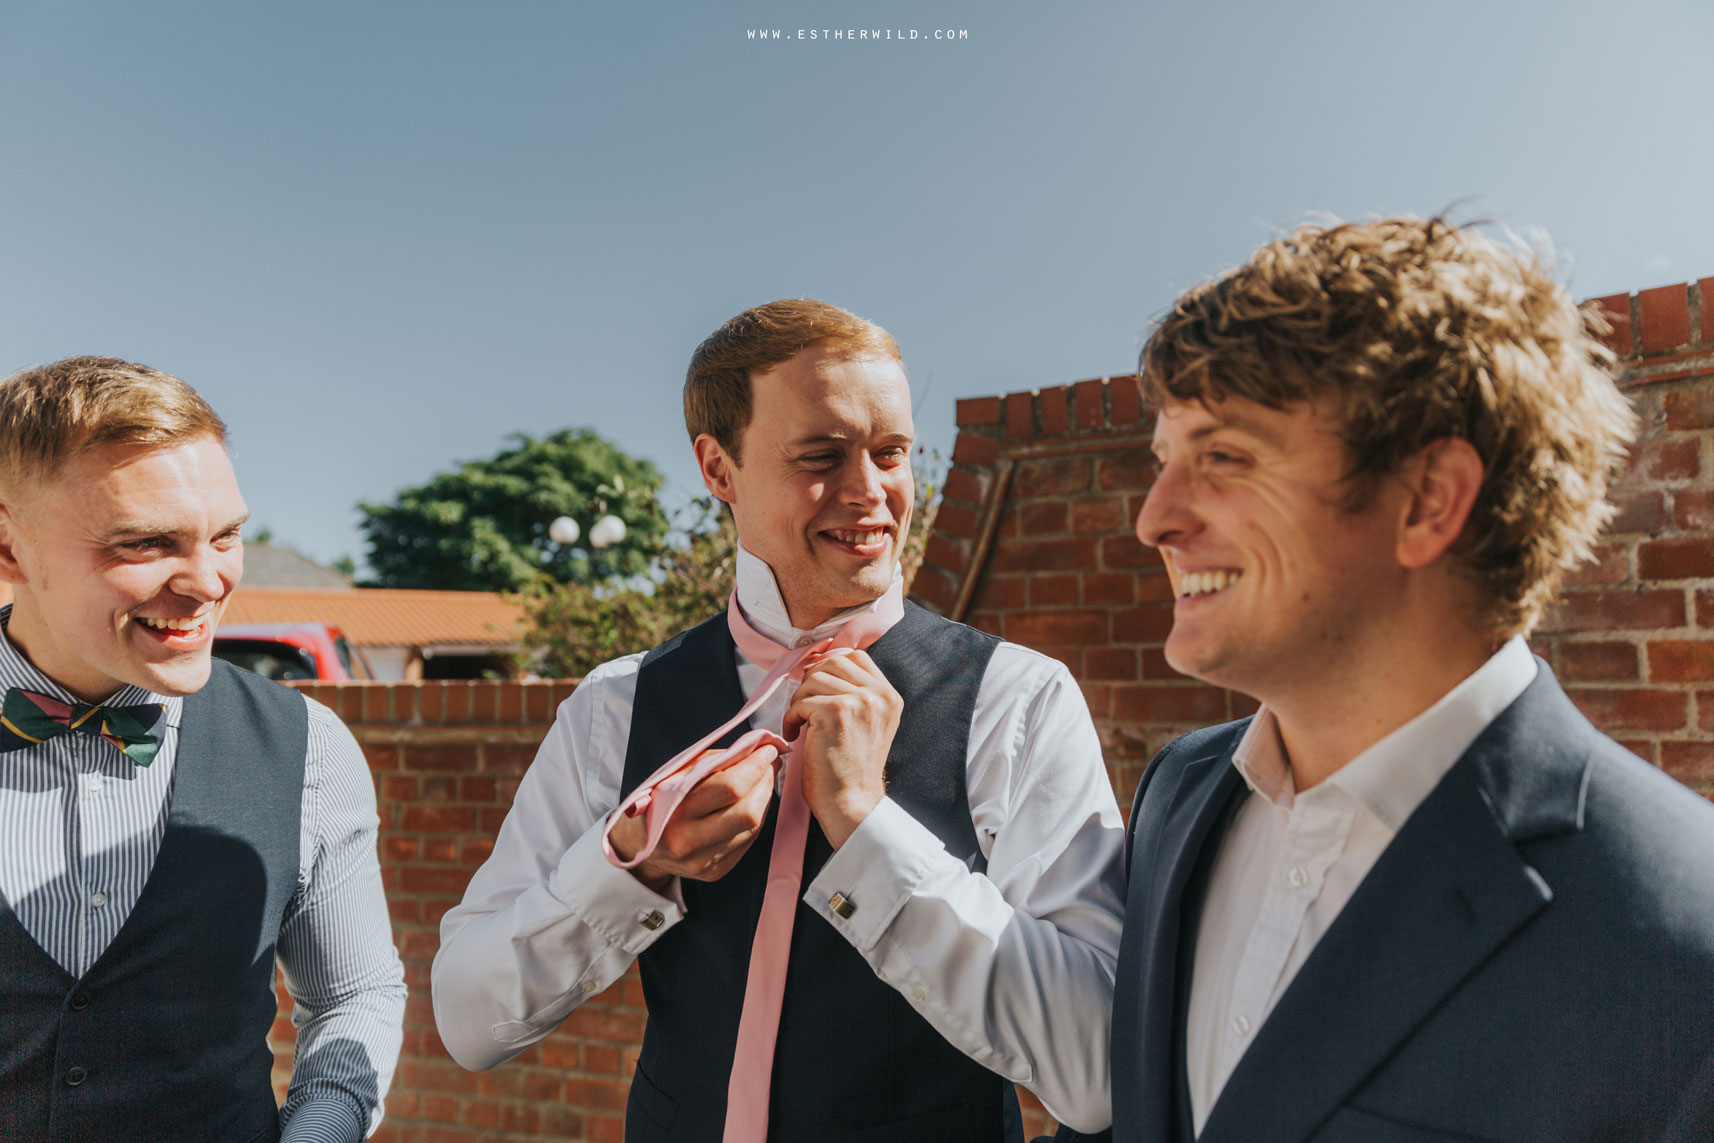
29 717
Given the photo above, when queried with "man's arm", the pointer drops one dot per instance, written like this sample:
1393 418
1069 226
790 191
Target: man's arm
336 950
1014 967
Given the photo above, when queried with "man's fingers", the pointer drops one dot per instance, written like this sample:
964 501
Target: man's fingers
725 787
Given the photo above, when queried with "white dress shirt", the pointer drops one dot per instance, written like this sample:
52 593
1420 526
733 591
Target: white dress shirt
1013 967
84 824
1290 862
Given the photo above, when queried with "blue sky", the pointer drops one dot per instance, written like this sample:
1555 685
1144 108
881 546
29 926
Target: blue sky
382 236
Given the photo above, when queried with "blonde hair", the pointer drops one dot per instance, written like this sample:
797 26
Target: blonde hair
1411 331
50 413
717 385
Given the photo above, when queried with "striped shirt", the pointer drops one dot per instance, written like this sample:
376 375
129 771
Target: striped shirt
83 826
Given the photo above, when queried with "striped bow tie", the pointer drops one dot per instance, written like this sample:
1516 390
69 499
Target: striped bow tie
29 717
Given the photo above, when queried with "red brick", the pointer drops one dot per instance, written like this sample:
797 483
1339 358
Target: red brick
1705 608
1681 660
1617 310
952 555
1690 762
1020 416
1126 551
451 880
1705 287
1045 555
396 848
978 411
1000 593
1090 414
477 1113
1166 703
1053 590
1055 413
455 701
374 701
536 706
475 851
978 451
1661 461
1155 665
605 1023
1693 509
1128 471
1142 624
1109 587
1098 516
439 789
1638 512
1597 661
1124 401
1051 476
1705 711
560 1052
962 484
1043 518
1610 565
1683 558
1110 663
1616 609
439 757
429 702
1097 698
1664 314
1692 408
602 1059
600 1095
1155 587
380 756
1632 708
955 520
935 587
1057 628
438 819
511 699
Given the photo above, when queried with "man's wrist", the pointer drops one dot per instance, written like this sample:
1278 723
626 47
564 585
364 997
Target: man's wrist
846 813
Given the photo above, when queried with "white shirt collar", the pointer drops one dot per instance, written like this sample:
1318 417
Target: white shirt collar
1392 777
765 608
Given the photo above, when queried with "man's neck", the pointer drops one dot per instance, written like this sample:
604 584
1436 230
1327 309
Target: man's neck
769 605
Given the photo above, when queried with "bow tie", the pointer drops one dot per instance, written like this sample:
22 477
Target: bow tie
29 717
748 1085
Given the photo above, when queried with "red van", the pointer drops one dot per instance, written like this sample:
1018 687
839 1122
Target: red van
287 651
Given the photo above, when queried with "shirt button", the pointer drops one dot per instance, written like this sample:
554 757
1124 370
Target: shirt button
918 995
803 640
589 986
96 900
75 1076
1299 876
92 783
1241 1025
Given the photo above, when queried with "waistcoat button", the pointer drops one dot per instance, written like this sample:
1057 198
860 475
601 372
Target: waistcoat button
75 1076
79 1001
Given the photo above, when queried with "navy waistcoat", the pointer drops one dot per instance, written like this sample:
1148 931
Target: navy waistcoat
854 1061
165 1037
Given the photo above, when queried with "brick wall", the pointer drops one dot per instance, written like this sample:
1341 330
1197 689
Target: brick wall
1033 542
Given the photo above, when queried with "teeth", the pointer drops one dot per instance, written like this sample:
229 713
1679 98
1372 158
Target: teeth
868 537
175 624
1204 583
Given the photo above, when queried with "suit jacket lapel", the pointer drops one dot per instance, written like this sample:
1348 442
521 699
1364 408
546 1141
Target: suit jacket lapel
1450 890
1173 826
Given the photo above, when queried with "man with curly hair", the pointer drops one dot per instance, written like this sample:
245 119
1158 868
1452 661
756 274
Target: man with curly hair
1417 896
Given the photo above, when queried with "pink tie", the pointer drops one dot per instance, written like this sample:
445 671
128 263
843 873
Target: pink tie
659 796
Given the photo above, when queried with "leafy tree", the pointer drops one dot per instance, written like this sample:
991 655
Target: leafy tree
484 527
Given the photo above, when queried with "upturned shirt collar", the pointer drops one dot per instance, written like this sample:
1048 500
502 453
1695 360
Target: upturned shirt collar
765 608
1392 777
17 671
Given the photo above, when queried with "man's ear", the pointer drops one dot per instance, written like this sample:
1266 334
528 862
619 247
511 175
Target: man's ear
1443 481
716 466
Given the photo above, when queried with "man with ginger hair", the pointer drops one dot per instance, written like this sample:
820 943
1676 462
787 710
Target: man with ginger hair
1417 896
953 904
173 825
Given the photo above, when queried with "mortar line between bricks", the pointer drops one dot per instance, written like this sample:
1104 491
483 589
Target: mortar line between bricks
1073 445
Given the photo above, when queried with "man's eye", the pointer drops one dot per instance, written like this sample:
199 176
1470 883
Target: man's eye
822 459
153 543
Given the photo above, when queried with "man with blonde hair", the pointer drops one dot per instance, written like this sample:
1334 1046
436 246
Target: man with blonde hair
1417 896
173 825
929 909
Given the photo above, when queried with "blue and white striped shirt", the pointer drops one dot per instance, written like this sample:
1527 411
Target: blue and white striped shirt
83 826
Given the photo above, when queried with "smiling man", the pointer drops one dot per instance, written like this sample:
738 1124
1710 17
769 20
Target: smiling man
951 902
172 824
1416 896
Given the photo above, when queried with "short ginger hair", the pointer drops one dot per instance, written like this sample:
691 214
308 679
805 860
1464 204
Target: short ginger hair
717 398
53 412
1408 332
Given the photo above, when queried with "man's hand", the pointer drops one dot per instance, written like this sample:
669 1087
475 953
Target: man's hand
847 713
713 827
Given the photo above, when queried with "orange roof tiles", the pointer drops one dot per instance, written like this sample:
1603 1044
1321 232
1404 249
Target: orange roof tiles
384 617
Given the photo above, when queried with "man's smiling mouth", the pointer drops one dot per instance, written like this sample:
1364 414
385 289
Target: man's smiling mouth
1206 583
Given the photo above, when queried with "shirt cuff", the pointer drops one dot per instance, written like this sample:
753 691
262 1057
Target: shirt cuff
869 878
329 1119
609 899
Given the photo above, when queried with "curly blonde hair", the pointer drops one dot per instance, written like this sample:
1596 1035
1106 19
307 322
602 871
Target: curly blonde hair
1412 331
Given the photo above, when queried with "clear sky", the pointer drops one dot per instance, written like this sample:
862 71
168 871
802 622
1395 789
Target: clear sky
380 236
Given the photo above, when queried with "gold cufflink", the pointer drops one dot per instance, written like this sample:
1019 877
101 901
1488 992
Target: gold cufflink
842 905
653 921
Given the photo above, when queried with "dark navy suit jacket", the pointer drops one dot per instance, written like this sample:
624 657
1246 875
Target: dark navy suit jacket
1532 958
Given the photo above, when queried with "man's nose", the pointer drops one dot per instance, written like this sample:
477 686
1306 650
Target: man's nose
206 575
1166 514
863 481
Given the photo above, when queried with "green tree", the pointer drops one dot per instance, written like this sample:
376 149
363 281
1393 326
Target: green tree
484 526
